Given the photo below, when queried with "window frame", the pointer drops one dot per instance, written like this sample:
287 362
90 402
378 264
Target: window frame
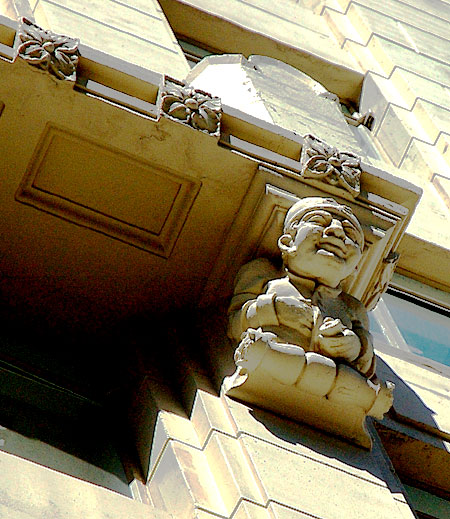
391 341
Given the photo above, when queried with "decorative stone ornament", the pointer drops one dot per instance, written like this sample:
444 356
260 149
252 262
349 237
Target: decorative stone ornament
192 107
321 161
304 347
384 277
54 53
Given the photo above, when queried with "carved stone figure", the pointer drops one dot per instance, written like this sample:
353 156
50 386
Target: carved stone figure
304 349
192 107
51 52
302 304
321 161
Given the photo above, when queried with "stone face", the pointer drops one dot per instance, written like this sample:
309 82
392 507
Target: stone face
316 489
52 52
305 350
183 481
208 413
147 213
133 33
263 466
233 474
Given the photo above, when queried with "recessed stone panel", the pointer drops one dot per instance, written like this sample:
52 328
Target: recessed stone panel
107 191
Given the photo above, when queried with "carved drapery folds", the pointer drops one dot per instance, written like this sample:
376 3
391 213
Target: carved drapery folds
52 52
304 348
321 161
192 107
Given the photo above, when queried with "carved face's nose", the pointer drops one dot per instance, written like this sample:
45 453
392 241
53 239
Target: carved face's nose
335 229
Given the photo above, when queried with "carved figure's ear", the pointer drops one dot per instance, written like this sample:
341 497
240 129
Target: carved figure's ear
285 243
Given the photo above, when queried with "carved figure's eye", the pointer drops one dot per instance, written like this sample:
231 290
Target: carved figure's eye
321 218
351 232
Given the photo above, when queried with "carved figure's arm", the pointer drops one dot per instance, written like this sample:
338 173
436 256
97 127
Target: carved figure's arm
365 363
268 301
354 344
251 307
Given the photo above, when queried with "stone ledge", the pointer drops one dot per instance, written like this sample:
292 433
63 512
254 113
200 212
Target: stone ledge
190 20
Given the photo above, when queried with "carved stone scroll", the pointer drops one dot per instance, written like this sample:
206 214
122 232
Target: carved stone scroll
52 52
307 387
321 161
366 119
192 107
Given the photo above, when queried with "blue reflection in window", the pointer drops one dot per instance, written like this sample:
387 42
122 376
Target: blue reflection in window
374 326
425 331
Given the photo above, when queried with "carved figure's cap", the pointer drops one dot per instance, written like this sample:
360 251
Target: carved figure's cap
314 203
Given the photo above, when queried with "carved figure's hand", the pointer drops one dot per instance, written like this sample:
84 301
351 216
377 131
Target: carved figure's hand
335 340
294 312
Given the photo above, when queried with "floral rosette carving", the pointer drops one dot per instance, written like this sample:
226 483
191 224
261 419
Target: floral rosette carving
193 107
321 161
54 53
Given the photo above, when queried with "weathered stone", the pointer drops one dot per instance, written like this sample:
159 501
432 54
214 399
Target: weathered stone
52 52
323 162
305 349
192 107
276 93
384 278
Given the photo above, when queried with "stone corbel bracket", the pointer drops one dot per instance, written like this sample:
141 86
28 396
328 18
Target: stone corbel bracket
320 161
307 387
184 104
48 51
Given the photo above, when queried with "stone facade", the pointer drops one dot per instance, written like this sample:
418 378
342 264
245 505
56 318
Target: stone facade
135 192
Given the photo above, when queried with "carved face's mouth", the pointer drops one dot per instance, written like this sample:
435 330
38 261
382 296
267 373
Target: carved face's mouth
334 246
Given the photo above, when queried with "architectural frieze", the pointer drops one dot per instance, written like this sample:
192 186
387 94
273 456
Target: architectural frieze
190 106
323 162
48 51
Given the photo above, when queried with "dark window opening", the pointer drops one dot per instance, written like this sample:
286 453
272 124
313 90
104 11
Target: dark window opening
195 51
56 404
